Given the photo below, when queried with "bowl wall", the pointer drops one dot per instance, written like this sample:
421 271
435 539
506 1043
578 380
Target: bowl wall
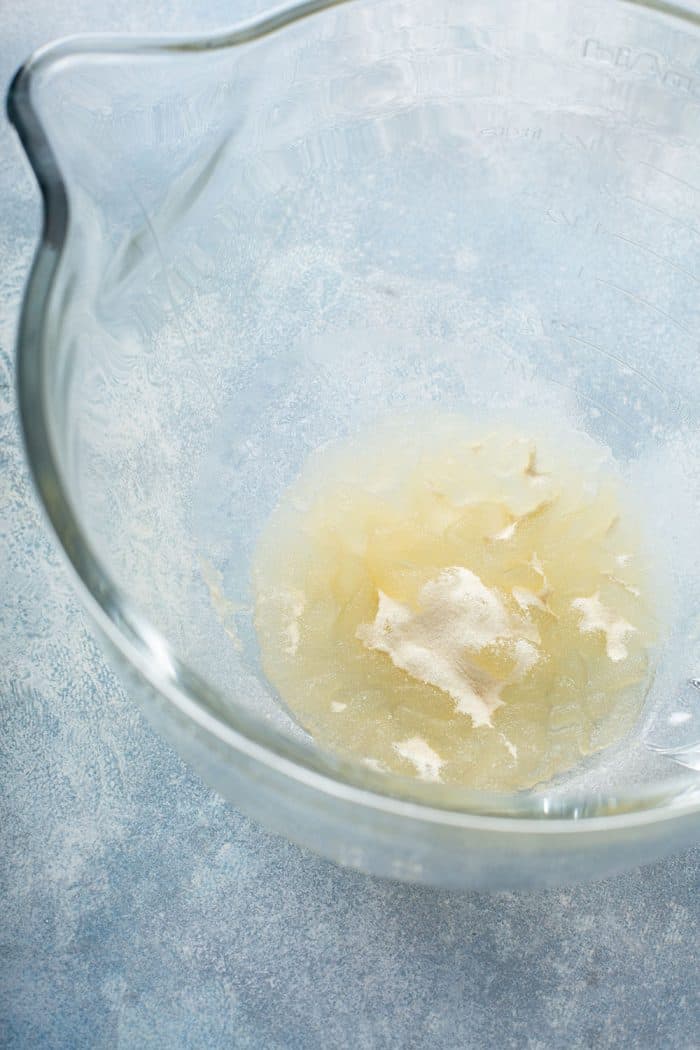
278 238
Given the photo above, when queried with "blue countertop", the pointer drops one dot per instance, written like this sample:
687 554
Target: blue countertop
139 910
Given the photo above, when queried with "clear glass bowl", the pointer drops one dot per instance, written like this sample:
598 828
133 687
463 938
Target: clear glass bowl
256 241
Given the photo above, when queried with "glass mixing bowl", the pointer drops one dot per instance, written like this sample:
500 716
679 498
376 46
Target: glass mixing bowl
260 240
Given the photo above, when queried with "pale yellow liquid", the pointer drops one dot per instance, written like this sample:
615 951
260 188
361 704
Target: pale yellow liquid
541 525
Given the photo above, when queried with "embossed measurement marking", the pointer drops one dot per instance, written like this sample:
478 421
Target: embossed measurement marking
666 214
647 303
604 409
657 255
614 357
670 175
648 64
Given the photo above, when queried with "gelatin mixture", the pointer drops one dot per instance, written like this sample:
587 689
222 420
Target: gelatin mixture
459 606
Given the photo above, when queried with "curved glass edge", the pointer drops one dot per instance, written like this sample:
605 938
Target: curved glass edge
133 636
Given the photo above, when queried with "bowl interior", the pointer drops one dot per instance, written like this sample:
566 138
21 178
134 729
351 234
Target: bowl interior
491 208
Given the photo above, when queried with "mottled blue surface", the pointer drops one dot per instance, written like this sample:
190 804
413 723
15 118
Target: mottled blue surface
139 910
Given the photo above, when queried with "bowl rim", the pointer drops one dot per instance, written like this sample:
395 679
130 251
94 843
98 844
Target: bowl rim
136 639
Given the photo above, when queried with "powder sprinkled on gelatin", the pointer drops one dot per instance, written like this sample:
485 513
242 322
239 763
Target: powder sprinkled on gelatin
457 616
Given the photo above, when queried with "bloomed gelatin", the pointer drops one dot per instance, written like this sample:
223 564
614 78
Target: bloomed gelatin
463 606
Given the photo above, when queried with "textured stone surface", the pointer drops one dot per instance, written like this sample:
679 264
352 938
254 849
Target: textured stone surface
141 911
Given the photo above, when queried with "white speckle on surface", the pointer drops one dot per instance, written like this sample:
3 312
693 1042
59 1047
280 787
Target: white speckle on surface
337 706
296 603
224 608
506 533
526 656
526 599
511 747
290 607
678 718
537 566
634 591
596 617
426 761
374 764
